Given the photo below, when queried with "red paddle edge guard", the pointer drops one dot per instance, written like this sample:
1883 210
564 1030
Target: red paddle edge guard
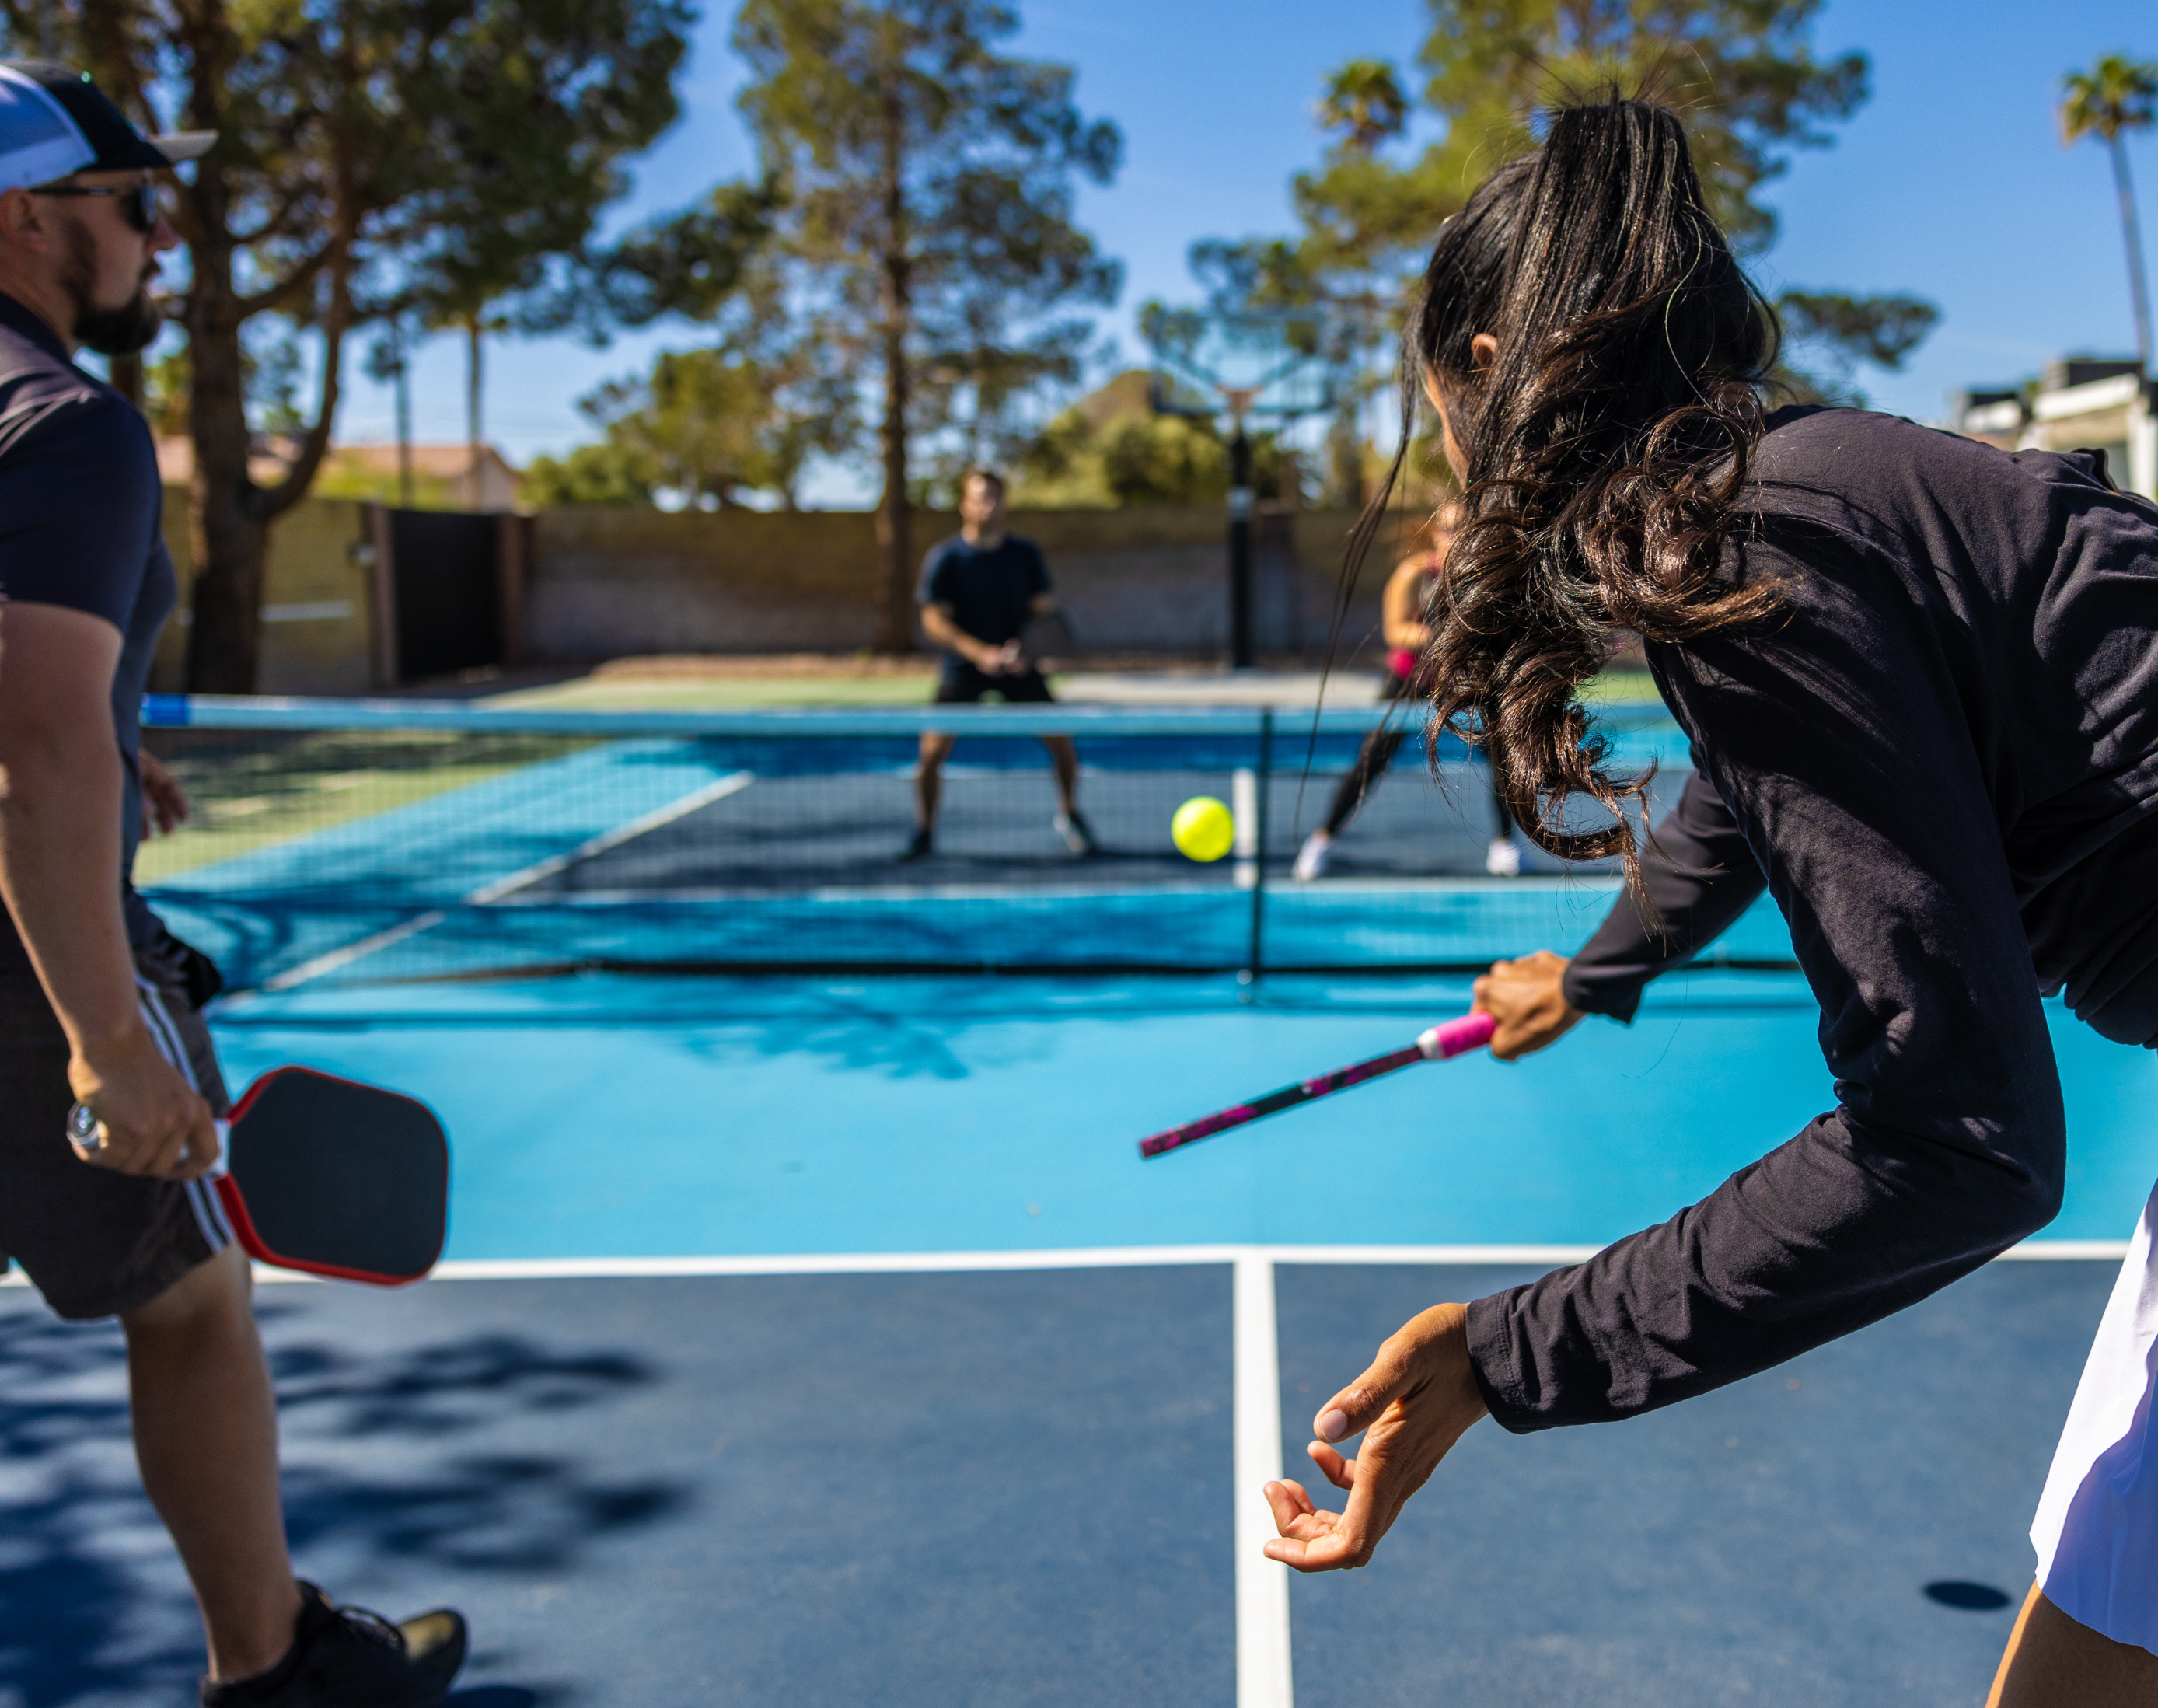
1454 1037
243 1224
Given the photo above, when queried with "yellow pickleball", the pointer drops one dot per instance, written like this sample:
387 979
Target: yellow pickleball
1203 828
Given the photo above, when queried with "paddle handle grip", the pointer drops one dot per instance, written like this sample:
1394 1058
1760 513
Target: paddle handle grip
1457 1037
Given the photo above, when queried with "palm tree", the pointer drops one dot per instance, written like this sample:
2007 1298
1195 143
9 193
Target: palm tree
2116 96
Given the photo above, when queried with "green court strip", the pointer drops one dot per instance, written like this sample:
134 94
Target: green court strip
691 694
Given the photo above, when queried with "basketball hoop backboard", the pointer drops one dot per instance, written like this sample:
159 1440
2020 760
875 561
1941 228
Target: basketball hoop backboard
1256 364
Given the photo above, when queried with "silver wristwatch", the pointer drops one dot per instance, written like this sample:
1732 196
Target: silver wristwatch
84 1132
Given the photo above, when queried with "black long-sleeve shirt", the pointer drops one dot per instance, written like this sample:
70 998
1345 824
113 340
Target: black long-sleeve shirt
1941 759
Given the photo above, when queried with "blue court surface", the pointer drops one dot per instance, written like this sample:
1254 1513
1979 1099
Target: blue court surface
824 1341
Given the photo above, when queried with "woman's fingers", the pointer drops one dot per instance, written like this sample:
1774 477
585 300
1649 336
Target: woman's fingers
1527 998
1358 1406
1291 1506
1302 1525
1306 1553
1413 1404
1340 1472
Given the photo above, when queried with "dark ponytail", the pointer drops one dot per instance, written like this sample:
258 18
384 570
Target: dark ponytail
1605 445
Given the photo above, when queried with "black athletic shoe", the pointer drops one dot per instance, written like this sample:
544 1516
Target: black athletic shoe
348 1657
920 848
1078 836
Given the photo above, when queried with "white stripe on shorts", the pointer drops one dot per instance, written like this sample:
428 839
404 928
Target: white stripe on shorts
202 1195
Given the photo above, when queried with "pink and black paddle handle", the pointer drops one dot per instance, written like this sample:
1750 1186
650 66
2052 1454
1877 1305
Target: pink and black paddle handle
1454 1037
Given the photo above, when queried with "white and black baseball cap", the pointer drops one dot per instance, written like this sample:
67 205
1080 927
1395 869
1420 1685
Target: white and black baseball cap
54 120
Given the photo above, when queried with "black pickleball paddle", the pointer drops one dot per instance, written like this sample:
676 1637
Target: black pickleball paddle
331 1177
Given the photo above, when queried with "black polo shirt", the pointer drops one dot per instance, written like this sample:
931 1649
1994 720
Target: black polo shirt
990 591
81 511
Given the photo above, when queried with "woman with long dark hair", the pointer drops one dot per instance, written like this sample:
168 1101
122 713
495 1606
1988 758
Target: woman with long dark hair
1920 676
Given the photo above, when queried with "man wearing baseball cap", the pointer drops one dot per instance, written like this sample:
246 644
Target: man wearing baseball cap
97 1000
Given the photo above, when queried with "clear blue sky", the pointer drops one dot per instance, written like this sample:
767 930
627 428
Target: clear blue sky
1951 183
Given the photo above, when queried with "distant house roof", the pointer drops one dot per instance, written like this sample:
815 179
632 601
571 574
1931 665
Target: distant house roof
442 464
2072 371
176 462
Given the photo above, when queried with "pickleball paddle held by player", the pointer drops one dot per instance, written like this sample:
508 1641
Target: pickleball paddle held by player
1472 1031
324 1175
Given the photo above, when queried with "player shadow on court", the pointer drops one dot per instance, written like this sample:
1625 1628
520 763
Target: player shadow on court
888 1044
887 1039
78 1621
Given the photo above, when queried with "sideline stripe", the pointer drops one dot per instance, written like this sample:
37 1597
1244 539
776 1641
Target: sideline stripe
488 895
1079 1257
1264 1679
491 894
1082 1257
353 951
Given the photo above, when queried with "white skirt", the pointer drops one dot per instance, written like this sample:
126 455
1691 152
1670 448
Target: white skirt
2097 1528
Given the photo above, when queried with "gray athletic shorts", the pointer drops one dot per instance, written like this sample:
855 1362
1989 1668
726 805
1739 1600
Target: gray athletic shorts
94 1243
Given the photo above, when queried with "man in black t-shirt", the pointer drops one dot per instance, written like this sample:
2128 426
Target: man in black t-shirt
979 590
97 1001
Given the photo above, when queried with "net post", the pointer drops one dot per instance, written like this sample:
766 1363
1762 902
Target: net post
1256 954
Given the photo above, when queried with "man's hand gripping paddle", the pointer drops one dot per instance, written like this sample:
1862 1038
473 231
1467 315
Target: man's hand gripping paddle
1454 1037
329 1176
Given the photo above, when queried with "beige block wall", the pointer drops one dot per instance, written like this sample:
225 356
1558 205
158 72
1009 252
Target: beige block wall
613 583
318 625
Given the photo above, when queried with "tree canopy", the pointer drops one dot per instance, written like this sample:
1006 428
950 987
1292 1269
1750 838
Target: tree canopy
370 156
927 226
1401 158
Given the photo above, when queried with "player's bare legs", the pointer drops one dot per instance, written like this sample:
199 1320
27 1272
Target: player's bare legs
206 1439
2052 1662
1065 758
935 751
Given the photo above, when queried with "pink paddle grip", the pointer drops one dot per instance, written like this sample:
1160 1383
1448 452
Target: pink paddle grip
1458 1037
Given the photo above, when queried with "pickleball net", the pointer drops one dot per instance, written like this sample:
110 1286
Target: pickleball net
339 841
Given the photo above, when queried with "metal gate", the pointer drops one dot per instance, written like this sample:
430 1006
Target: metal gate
447 587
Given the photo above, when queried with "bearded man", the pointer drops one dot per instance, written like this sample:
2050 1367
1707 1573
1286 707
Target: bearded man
98 1001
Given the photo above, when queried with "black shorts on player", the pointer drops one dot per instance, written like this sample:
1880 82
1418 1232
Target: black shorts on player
962 684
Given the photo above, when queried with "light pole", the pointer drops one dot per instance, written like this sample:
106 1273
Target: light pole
1241 507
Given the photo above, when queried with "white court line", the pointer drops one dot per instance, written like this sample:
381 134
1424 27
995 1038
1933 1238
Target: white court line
717 790
1097 1257
488 894
1067 1257
954 1262
1264 1677
353 951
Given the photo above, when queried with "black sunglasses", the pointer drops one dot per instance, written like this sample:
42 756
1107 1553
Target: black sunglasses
139 204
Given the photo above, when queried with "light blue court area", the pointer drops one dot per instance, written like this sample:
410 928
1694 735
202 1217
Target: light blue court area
598 1116
817 1336
930 1392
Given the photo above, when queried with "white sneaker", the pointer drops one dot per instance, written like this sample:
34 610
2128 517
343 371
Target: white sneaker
1312 858
1503 859
1078 835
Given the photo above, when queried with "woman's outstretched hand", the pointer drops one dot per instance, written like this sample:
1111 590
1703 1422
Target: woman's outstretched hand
1527 998
1414 1402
